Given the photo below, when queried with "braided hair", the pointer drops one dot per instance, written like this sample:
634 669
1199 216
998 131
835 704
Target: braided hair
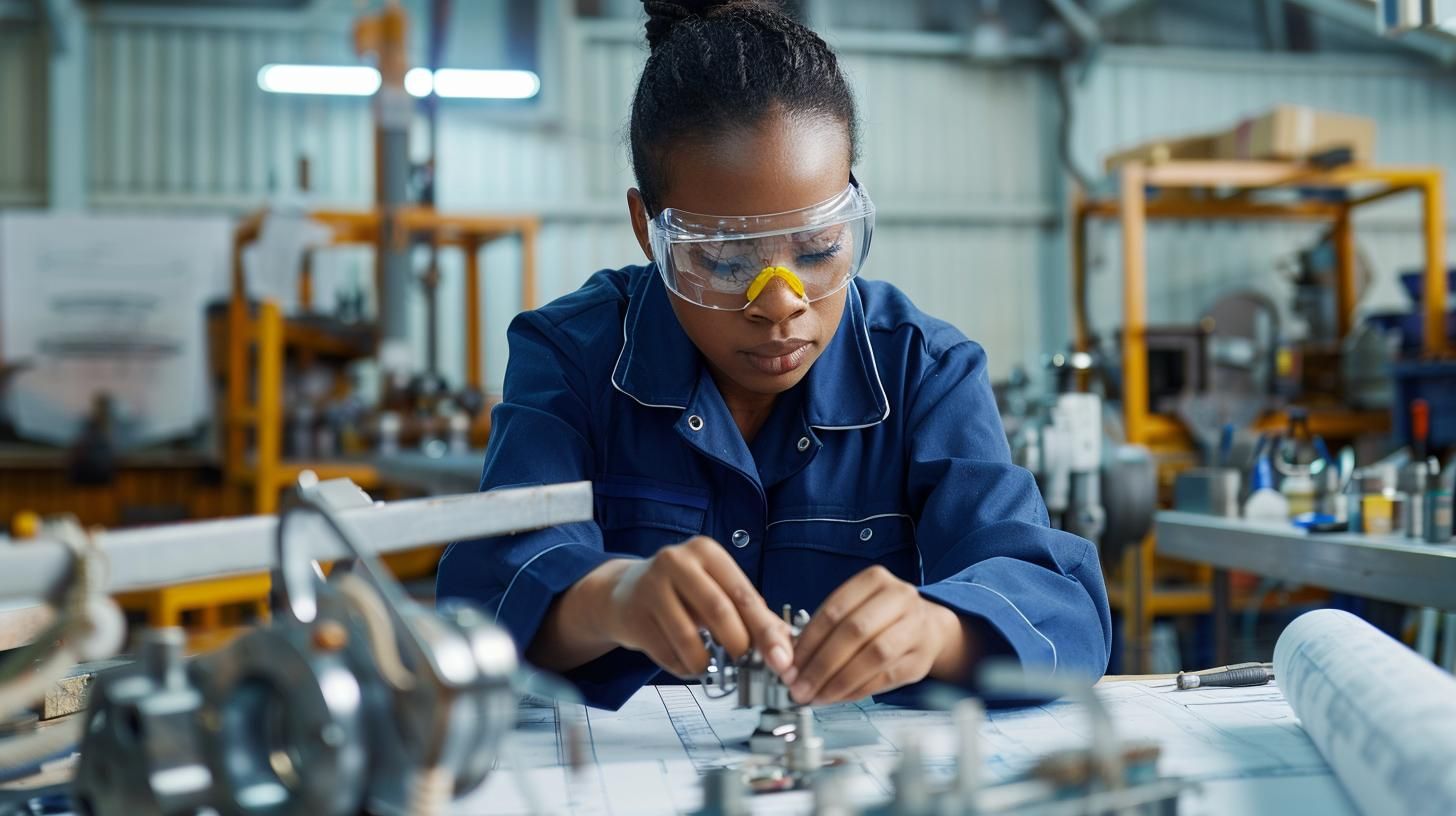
719 65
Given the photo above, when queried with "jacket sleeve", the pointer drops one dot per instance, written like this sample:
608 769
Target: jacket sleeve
987 549
540 434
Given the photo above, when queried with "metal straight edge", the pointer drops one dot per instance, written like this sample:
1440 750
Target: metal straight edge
149 557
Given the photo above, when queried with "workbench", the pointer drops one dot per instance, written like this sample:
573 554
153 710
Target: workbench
1384 567
1243 747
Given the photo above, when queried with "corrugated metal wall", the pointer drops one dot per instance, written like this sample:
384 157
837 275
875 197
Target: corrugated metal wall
958 156
177 119
22 112
952 153
1136 94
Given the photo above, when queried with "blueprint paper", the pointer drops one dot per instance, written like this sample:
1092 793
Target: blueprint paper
1383 717
1244 746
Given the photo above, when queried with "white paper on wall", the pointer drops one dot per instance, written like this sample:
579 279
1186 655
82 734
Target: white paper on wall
114 305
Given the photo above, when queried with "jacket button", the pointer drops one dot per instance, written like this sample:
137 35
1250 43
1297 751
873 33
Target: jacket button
740 538
866 534
695 422
803 444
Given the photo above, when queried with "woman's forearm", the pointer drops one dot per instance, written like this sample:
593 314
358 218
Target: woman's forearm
575 630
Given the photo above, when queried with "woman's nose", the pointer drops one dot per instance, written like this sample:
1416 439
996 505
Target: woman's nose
778 302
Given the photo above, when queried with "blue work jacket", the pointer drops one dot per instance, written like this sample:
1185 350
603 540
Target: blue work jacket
890 451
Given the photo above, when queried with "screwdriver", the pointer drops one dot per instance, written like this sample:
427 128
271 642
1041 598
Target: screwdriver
1242 674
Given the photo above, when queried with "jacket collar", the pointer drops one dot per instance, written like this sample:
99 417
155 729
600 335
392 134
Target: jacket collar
658 366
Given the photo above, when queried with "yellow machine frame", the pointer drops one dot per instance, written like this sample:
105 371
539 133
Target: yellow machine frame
1224 190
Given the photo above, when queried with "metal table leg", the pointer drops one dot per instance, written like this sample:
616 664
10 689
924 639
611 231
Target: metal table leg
1221 617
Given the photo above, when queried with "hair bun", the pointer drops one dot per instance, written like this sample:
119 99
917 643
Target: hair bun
664 15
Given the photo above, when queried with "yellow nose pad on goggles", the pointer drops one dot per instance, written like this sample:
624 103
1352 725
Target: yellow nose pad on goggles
769 273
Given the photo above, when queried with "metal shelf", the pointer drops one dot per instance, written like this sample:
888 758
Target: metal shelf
1387 568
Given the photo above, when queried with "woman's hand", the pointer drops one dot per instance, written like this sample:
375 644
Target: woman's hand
658 605
876 633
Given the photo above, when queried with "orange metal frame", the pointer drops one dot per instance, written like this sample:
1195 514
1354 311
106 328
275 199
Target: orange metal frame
1226 190
266 334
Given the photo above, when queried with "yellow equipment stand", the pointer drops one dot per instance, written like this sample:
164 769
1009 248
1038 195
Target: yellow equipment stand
1225 190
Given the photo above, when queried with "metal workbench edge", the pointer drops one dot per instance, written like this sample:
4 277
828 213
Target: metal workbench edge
1390 568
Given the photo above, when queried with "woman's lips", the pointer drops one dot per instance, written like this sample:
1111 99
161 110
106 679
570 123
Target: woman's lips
778 358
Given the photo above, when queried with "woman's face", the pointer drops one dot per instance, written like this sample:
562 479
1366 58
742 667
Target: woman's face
786 162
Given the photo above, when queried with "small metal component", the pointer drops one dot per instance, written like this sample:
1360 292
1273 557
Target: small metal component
1438 517
912 789
831 797
805 753
274 697
725 793
968 716
757 686
141 752
741 539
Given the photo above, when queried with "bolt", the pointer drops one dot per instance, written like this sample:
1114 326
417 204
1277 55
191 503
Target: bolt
330 636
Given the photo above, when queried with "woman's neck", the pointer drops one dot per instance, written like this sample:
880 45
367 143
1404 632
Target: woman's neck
750 410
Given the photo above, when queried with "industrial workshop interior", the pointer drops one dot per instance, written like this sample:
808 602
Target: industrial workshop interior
727 407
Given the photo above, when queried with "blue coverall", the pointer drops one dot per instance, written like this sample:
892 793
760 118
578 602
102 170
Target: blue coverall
890 451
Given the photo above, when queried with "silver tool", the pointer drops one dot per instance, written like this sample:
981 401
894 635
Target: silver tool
1241 674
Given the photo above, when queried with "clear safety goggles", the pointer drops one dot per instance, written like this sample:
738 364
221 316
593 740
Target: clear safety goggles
725 262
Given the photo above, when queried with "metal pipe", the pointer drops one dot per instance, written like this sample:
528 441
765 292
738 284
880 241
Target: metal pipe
385 37
148 557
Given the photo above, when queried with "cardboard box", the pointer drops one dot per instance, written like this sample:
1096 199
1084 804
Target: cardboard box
1182 148
1286 133
1295 133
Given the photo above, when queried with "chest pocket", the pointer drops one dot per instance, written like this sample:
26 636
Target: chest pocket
806 559
641 516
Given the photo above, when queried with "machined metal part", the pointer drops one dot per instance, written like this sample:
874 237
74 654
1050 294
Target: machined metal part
141 753
353 698
757 686
287 726
805 754
443 677
725 793
1106 777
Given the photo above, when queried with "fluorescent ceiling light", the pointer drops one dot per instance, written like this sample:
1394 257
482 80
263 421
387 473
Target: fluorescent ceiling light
361 80
331 80
462 84
419 82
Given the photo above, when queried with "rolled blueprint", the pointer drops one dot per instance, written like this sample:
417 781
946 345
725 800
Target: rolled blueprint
1383 717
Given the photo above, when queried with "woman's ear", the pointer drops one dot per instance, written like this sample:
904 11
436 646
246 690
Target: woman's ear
637 208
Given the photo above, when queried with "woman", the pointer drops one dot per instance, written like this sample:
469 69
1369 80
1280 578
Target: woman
762 427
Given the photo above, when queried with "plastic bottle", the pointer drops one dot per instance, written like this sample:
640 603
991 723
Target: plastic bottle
1264 502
